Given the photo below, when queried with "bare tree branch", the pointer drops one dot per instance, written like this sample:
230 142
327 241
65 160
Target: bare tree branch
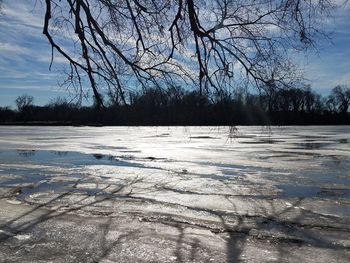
121 44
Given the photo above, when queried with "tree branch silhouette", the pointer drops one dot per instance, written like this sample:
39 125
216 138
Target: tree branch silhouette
118 45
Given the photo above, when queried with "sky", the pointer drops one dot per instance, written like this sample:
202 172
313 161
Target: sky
25 55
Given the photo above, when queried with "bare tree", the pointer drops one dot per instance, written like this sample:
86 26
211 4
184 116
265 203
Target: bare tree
340 96
24 101
211 44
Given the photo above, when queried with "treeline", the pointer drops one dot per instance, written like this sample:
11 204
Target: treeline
176 106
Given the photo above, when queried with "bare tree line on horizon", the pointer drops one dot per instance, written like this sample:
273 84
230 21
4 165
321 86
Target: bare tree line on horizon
292 99
178 106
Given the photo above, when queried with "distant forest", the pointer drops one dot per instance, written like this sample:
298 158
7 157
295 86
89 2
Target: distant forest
176 106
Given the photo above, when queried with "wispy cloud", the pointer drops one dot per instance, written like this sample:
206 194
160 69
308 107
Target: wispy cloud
25 13
12 48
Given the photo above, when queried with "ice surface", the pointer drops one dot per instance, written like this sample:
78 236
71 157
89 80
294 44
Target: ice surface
267 188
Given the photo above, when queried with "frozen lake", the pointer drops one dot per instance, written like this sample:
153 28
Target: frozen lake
192 194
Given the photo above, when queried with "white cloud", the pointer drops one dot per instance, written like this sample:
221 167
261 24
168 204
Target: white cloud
27 13
12 48
46 58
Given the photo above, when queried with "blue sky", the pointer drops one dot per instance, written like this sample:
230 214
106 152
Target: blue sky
25 55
